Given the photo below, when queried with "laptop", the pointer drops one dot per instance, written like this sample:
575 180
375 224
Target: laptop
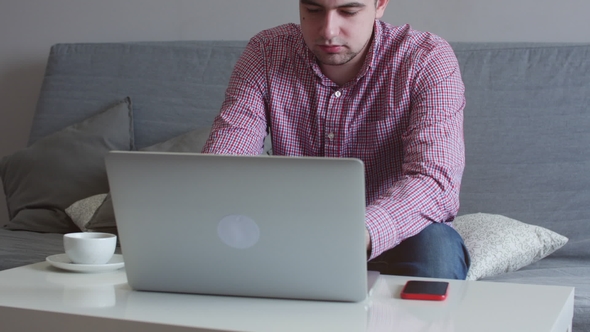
255 226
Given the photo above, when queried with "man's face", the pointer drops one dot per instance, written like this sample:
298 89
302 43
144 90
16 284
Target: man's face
338 31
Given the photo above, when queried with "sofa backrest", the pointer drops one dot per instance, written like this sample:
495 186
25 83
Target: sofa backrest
174 86
527 133
527 119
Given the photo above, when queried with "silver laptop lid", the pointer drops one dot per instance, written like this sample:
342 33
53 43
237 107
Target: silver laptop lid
284 227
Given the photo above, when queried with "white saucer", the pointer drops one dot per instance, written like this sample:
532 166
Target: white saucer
62 261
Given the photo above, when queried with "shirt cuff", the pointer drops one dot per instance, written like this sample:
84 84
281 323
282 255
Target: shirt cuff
381 229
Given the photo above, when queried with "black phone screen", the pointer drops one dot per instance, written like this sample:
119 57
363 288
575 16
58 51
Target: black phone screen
425 290
426 287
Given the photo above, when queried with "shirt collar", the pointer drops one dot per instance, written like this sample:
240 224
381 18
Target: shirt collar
371 60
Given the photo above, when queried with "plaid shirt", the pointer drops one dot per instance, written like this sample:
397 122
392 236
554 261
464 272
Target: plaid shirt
402 116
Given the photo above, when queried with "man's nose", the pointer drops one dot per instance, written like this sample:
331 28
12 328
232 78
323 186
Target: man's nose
331 25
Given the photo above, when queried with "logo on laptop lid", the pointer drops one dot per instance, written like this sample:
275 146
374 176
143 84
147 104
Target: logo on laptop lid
238 231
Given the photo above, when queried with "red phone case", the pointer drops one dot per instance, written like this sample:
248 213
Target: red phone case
425 290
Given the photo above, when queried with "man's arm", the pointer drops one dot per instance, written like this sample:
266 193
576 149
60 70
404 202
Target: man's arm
241 126
433 160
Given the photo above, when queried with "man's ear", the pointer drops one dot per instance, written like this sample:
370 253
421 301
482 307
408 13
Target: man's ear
380 8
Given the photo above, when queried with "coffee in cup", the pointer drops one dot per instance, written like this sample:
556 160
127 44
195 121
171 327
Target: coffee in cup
90 247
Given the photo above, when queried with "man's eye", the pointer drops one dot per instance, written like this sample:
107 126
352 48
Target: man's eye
313 10
349 13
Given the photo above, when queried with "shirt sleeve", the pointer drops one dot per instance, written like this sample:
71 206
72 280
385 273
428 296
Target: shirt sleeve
241 126
433 158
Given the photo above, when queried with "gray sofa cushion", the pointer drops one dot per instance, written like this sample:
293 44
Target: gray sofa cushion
43 179
21 248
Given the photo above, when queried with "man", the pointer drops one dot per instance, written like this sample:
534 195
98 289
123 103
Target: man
345 84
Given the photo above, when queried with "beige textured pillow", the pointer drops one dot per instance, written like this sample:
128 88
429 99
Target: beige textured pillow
83 210
498 244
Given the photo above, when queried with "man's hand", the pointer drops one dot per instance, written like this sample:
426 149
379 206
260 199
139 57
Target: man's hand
368 240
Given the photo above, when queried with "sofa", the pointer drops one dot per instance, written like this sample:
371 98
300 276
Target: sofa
525 196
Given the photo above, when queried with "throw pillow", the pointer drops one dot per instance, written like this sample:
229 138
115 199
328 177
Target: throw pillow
82 211
42 180
192 141
498 244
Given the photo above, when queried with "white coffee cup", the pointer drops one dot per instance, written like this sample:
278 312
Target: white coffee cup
90 248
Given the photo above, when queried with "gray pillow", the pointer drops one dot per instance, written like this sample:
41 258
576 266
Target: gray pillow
42 180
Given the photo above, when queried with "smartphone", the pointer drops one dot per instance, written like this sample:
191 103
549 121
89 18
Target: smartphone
425 290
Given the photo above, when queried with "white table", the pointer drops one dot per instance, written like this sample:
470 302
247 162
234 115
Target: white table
39 297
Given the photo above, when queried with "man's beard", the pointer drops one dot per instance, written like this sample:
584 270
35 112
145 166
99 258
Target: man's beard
335 59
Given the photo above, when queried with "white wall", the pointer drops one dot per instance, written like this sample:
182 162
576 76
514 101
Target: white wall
28 28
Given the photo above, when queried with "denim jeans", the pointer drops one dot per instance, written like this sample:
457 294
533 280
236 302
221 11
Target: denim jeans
437 251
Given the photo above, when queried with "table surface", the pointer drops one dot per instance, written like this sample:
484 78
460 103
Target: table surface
41 296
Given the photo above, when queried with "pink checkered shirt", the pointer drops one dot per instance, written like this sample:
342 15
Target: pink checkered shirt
402 116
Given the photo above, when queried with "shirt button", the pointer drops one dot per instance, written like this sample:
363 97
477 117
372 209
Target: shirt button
337 94
331 136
